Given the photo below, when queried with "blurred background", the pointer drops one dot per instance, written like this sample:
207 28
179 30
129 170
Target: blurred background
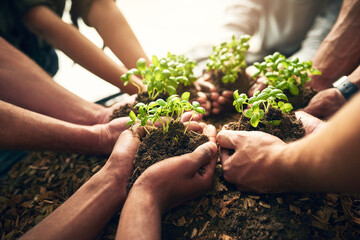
160 26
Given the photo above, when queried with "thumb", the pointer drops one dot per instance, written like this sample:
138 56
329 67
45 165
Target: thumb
203 155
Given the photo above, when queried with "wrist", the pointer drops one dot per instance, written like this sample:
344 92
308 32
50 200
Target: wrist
144 198
346 87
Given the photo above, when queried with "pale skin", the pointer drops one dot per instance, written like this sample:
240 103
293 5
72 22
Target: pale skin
324 161
102 15
85 214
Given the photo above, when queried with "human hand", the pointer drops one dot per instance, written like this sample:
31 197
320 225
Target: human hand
310 123
250 160
121 161
259 83
325 103
175 180
106 113
207 94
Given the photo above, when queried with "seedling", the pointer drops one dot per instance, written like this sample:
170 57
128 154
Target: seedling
164 111
285 74
229 58
260 103
163 75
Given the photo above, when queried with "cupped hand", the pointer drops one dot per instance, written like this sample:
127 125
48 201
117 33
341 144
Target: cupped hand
249 160
121 161
325 103
310 123
259 83
175 180
106 113
207 94
108 134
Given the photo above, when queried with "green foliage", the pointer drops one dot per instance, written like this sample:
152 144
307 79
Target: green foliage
163 75
260 103
164 111
229 58
284 73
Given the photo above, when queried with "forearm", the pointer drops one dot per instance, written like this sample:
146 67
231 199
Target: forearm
23 129
107 19
25 84
46 24
339 53
140 218
84 214
327 160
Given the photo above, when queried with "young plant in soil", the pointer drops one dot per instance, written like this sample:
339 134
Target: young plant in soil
167 76
227 64
289 76
169 140
267 111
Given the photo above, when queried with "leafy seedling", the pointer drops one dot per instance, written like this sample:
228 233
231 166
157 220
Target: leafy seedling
229 58
258 105
285 74
164 112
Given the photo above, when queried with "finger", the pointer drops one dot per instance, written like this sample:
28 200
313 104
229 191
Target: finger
216 105
128 141
214 96
207 86
201 97
228 94
207 107
224 155
194 126
189 115
226 139
202 156
210 131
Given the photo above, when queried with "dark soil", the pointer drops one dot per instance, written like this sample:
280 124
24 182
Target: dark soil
301 100
290 129
242 83
157 146
191 89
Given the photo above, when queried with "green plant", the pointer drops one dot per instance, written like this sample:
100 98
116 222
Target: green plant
164 111
162 75
260 103
284 73
229 58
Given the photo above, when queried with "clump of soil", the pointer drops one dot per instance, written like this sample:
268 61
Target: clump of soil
124 110
191 89
242 83
290 129
302 99
157 146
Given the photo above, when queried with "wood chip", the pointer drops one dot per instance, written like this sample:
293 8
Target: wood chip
225 237
279 200
265 205
212 213
181 221
294 209
193 233
203 229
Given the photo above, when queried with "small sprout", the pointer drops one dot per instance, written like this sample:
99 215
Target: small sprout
229 58
163 75
260 103
164 111
285 74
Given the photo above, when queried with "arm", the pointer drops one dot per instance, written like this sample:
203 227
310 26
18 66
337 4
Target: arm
320 28
85 213
164 185
339 53
23 129
327 160
46 24
25 84
102 15
328 101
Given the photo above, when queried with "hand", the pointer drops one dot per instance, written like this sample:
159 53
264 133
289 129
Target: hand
207 94
325 103
121 160
259 84
310 123
106 113
178 179
253 165
109 133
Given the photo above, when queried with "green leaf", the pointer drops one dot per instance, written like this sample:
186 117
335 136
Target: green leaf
294 90
155 61
185 96
129 123
236 94
132 115
315 72
170 89
275 122
196 104
161 102
141 64
255 120
286 108
124 77
249 113
200 110
282 96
